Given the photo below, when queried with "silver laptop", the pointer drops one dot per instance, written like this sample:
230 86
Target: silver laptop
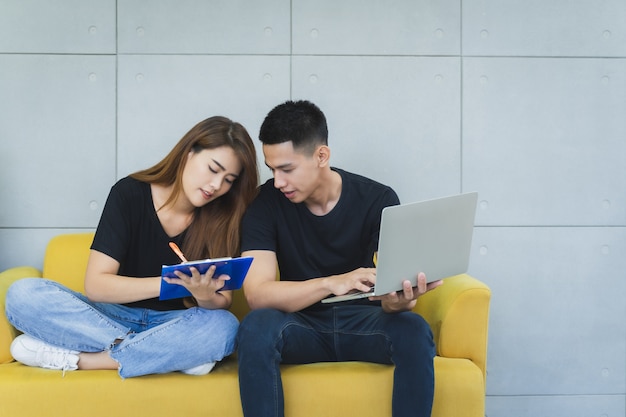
433 237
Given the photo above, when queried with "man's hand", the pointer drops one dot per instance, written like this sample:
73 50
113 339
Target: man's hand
361 279
406 299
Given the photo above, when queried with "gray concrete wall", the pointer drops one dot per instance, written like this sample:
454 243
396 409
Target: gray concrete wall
522 101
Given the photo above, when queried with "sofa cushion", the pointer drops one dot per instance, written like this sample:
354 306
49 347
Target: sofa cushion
319 389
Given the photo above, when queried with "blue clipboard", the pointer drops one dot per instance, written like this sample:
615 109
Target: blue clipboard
235 268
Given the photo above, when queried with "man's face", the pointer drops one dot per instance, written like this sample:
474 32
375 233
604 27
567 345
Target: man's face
296 174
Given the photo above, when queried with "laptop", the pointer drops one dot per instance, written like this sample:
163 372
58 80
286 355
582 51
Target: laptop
433 237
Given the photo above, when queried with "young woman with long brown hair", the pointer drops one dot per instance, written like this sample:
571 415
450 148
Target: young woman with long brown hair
195 197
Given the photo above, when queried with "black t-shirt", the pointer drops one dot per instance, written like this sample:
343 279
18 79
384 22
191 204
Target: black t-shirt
309 246
131 233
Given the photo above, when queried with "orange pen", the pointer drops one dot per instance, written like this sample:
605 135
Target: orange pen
178 252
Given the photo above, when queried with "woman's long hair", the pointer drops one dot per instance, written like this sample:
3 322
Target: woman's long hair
215 228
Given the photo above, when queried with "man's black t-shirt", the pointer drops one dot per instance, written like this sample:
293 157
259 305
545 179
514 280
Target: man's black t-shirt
309 246
131 233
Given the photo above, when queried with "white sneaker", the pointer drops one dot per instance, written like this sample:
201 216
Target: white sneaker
200 369
34 352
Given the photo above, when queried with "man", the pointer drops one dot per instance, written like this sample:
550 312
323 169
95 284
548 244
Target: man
320 226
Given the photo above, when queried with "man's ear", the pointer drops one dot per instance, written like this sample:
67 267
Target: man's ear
322 154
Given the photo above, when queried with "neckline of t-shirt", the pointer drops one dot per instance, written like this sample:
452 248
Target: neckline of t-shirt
155 217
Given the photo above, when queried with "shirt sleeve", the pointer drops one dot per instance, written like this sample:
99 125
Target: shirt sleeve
387 198
258 231
113 232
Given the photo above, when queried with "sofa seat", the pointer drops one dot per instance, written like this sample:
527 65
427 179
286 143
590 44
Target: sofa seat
457 313
321 389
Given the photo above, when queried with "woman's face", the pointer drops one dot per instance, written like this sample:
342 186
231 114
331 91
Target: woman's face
209 174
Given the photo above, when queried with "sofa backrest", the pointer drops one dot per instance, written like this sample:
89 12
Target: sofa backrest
66 262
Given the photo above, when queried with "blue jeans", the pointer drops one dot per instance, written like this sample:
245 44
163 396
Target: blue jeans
152 342
269 337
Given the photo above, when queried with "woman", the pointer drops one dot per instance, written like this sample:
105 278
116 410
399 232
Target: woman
195 197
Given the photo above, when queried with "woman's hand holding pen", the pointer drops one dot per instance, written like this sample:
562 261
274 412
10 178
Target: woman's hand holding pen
203 287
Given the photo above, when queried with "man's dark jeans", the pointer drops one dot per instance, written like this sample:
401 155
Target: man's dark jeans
338 333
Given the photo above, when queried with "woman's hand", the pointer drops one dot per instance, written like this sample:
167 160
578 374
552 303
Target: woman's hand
204 287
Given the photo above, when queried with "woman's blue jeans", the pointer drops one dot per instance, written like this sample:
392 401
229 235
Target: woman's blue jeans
152 342
270 337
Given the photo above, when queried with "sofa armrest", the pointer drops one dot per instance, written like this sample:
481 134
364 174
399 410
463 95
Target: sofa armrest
458 313
8 332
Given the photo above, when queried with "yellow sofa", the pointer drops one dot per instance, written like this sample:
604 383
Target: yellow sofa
457 312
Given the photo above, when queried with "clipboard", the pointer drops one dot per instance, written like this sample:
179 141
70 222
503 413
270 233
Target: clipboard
235 268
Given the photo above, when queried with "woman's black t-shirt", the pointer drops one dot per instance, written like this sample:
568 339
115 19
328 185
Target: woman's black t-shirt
130 232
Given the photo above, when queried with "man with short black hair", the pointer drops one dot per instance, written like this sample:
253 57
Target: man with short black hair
319 225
